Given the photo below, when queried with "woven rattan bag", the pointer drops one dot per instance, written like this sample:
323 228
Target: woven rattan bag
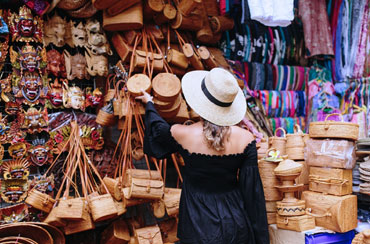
334 129
279 143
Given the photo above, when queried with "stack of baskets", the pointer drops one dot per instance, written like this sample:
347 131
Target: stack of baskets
365 177
330 153
167 97
266 168
295 144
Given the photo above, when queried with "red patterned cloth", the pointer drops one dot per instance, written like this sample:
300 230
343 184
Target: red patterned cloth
316 28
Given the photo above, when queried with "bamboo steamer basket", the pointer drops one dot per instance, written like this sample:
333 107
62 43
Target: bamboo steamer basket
334 129
296 139
166 87
279 143
137 83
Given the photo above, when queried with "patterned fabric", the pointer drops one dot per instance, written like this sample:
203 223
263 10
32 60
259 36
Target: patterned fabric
317 32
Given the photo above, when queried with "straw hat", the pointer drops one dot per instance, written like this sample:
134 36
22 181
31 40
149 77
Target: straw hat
215 96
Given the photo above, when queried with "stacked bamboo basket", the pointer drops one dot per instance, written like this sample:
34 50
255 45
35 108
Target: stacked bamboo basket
330 153
266 168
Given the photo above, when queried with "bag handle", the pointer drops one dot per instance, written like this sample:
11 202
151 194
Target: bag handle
309 212
328 181
281 129
338 114
297 129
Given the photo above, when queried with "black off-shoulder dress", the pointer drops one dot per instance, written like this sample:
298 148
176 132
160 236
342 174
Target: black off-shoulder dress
216 206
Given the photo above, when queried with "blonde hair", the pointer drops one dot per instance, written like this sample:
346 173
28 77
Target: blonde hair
215 135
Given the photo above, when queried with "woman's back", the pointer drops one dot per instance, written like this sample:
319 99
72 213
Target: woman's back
191 138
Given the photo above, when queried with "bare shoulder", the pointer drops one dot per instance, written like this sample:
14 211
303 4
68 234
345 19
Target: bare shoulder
242 135
181 132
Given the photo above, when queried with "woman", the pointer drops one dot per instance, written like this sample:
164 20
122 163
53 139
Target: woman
222 200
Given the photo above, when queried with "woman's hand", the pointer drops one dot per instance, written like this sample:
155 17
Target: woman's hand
145 98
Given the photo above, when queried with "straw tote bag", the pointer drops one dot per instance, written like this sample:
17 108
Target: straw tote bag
279 143
334 129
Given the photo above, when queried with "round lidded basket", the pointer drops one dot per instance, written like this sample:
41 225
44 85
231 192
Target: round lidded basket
166 87
279 142
288 167
171 112
137 83
334 129
297 208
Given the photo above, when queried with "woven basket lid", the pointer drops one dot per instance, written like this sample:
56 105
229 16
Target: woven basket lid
166 87
137 83
288 166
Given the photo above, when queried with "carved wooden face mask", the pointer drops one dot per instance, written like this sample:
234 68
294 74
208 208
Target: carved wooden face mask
14 186
76 66
35 120
24 27
31 87
40 152
79 36
96 64
73 97
56 64
17 150
55 94
55 31
97 40
94 98
28 58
